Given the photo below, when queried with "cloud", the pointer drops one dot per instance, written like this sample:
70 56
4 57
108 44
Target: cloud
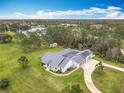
111 12
113 8
115 15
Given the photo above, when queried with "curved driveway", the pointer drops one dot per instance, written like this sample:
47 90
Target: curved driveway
88 68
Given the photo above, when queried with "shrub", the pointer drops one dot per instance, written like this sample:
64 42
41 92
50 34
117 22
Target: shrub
5 38
4 83
72 89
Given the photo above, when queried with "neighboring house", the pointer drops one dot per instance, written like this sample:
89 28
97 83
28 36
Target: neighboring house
53 45
66 59
68 25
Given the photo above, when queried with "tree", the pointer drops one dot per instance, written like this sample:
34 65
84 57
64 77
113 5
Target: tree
72 89
120 30
4 83
100 66
5 38
121 59
76 89
31 42
23 61
107 48
108 54
3 28
62 35
48 39
19 37
80 46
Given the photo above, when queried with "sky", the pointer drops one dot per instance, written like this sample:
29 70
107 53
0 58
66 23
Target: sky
61 9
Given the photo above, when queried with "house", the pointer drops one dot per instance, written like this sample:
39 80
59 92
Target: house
53 45
66 59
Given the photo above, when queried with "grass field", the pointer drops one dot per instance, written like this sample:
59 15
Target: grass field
34 79
111 81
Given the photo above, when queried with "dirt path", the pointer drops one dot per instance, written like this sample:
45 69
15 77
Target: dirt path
88 68
57 74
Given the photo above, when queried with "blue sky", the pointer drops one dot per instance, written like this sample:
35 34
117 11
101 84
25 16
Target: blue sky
61 9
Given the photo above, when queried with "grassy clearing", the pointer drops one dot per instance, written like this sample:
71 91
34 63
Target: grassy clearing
34 79
123 43
111 81
109 62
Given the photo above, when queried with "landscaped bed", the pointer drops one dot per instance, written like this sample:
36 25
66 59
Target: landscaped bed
109 81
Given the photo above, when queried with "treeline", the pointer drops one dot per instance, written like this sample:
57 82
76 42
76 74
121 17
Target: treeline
15 27
103 41
29 43
5 38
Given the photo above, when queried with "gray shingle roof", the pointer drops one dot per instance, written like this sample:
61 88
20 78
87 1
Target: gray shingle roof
49 56
70 54
56 61
64 62
67 51
60 60
78 59
85 53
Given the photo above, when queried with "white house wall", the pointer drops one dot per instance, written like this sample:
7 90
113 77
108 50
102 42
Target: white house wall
67 66
75 64
89 57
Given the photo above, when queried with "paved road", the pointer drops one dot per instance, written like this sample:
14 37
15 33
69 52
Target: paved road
88 68
114 67
122 51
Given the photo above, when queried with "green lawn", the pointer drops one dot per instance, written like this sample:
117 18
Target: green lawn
111 81
34 79
109 62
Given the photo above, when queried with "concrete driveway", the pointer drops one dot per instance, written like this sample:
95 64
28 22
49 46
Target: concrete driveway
88 68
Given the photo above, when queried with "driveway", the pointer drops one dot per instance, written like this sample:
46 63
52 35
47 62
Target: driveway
88 68
113 67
